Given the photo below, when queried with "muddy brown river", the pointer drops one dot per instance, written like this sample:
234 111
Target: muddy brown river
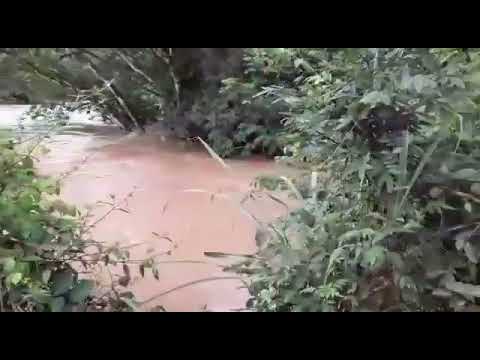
179 192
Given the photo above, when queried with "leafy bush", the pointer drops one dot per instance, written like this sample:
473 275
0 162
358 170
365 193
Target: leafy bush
233 123
393 219
45 257
33 240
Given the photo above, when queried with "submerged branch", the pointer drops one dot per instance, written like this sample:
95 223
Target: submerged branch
155 297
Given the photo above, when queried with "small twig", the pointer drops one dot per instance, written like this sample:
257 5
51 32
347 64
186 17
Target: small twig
97 245
136 262
88 52
212 153
155 297
2 308
473 232
75 168
326 137
49 77
103 217
240 309
113 285
467 196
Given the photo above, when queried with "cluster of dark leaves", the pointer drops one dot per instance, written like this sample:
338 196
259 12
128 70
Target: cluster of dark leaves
231 126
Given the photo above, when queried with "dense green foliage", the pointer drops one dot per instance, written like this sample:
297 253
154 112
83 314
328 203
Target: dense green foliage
391 222
37 232
46 256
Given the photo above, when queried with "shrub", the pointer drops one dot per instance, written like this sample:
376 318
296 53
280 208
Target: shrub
45 256
393 221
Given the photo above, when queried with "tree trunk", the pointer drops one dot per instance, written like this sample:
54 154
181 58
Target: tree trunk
201 70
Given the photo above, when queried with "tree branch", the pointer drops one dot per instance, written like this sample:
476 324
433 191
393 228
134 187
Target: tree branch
134 68
116 95
167 59
155 297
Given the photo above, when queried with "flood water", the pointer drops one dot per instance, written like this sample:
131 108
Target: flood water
179 192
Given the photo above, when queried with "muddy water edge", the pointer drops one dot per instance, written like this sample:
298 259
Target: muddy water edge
183 203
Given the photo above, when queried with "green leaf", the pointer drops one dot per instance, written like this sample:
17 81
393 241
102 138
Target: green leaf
34 232
131 304
14 278
57 304
406 282
62 282
396 260
457 82
81 291
32 258
374 256
155 273
48 185
11 252
472 252
8 265
463 105
63 208
467 174
26 163
468 207
306 217
463 288
406 79
421 82
335 257
442 293
425 159
376 97
357 234
41 296
475 188
430 62
363 168
216 254
46 276
386 180
301 62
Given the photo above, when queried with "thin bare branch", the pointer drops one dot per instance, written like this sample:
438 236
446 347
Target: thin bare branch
116 95
167 59
134 68
191 283
2 307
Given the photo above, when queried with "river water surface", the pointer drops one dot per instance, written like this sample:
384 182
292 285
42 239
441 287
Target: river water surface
172 185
